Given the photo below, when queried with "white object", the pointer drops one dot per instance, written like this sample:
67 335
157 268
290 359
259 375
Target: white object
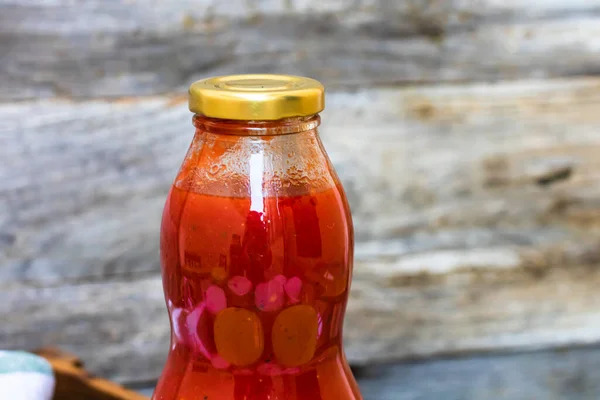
24 376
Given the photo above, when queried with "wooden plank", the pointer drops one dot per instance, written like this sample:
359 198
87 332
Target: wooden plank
121 331
74 383
554 375
114 48
476 304
451 167
476 209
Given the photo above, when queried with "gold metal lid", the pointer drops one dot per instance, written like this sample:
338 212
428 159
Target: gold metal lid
257 97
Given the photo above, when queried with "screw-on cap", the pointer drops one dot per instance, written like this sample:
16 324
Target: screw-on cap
257 97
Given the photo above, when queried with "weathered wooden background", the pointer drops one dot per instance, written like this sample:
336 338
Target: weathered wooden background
467 134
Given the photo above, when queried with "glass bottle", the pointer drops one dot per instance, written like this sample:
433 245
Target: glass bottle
256 249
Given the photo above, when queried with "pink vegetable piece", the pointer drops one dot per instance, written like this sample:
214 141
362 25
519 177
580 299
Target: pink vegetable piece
219 362
215 299
239 285
293 287
280 278
269 296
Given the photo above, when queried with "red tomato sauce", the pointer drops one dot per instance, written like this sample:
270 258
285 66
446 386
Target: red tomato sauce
256 290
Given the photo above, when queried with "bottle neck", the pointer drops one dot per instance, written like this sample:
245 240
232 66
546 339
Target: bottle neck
284 126
239 158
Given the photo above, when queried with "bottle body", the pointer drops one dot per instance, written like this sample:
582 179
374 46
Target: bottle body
256 253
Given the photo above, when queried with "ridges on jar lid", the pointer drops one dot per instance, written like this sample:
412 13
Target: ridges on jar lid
256 97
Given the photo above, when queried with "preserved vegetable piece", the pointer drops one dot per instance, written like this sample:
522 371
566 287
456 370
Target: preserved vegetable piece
294 335
239 336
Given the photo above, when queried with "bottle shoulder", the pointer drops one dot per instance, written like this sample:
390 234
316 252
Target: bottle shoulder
247 166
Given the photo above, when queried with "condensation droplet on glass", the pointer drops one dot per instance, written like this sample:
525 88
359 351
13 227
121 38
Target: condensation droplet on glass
215 168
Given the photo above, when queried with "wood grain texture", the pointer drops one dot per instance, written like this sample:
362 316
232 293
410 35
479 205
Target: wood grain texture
115 48
121 331
476 210
554 375
425 168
